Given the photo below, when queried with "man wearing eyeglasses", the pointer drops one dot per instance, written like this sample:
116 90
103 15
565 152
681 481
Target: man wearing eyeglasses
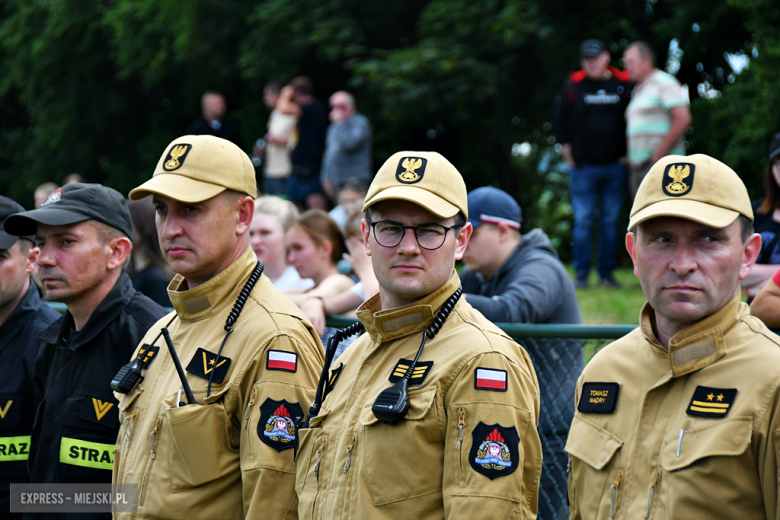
467 446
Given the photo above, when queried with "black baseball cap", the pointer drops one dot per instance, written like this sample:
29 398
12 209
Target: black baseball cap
9 207
489 205
592 47
75 203
774 146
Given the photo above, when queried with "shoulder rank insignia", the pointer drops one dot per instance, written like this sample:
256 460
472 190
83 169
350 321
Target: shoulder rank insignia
421 370
489 379
494 450
205 362
276 426
100 411
281 360
711 402
335 374
598 397
147 354
10 409
678 179
411 170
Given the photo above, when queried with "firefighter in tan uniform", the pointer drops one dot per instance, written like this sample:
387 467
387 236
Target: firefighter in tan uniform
680 419
230 454
467 446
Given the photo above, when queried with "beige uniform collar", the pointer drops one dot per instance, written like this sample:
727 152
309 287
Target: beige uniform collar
699 345
395 323
206 300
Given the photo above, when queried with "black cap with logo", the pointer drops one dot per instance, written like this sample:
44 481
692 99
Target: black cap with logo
75 203
9 207
591 48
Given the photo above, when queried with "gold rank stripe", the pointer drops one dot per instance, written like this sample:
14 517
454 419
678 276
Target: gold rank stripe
708 410
711 405
417 371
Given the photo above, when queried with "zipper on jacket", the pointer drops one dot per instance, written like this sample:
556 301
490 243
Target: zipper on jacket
319 458
148 469
613 495
249 407
153 437
461 425
651 492
127 426
349 453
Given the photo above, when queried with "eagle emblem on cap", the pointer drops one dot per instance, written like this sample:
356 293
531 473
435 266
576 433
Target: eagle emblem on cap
411 170
176 156
674 179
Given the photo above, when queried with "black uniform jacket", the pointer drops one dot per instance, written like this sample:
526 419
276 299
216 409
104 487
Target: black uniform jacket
19 344
77 421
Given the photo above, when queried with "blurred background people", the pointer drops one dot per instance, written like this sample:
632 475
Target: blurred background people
348 145
214 121
42 193
278 142
766 212
657 116
590 124
303 186
351 195
73 178
273 217
766 304
148 270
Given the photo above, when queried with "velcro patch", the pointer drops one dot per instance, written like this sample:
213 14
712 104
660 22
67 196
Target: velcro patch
99 411
205 362
421 370
494 450
147 353
711 402
490 379
10 409
334 375
87 454
598 397
276 426
281 360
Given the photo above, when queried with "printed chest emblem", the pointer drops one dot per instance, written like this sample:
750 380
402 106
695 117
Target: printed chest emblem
494 450
711 402
598 397
203 363
276 427
419 374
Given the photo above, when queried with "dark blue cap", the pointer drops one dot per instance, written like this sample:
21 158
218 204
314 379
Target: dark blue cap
489 205
9 207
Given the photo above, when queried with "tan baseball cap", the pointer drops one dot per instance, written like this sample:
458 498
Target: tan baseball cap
694 187
194 168
425 178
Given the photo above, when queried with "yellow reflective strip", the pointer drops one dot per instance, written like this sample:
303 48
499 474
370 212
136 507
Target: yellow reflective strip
87 454
713 405
708 410
14 448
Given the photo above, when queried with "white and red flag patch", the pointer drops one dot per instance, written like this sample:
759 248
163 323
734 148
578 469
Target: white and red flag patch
281 360
488 379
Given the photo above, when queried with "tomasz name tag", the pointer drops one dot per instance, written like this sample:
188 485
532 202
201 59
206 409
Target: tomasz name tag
598 397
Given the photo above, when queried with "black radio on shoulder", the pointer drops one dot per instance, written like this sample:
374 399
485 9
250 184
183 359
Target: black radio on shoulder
127 377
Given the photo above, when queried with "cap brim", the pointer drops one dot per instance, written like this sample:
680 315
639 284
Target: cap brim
21 224
707 214
177 187
433 203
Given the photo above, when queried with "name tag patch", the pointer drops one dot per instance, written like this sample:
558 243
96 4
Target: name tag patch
205 362
147 354
421 370
14 448
489 379
711 402
276 426
598 397
87 454
494 450
281 360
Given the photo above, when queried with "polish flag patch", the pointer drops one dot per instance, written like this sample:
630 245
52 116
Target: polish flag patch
281 360
488 379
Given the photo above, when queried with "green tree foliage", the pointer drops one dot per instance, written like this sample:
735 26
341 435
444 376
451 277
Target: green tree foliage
100 87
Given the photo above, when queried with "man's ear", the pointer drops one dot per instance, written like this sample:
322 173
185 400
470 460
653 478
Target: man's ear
631 248
120 251
752 249
32 256
462 240
246 211
365 231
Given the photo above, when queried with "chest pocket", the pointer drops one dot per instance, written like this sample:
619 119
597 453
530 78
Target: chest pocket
596 447
199 449
394 457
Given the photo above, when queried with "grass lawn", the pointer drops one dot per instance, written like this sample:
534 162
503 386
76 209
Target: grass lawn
602 305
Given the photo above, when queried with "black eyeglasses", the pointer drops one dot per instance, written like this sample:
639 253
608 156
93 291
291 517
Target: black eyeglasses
429 236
